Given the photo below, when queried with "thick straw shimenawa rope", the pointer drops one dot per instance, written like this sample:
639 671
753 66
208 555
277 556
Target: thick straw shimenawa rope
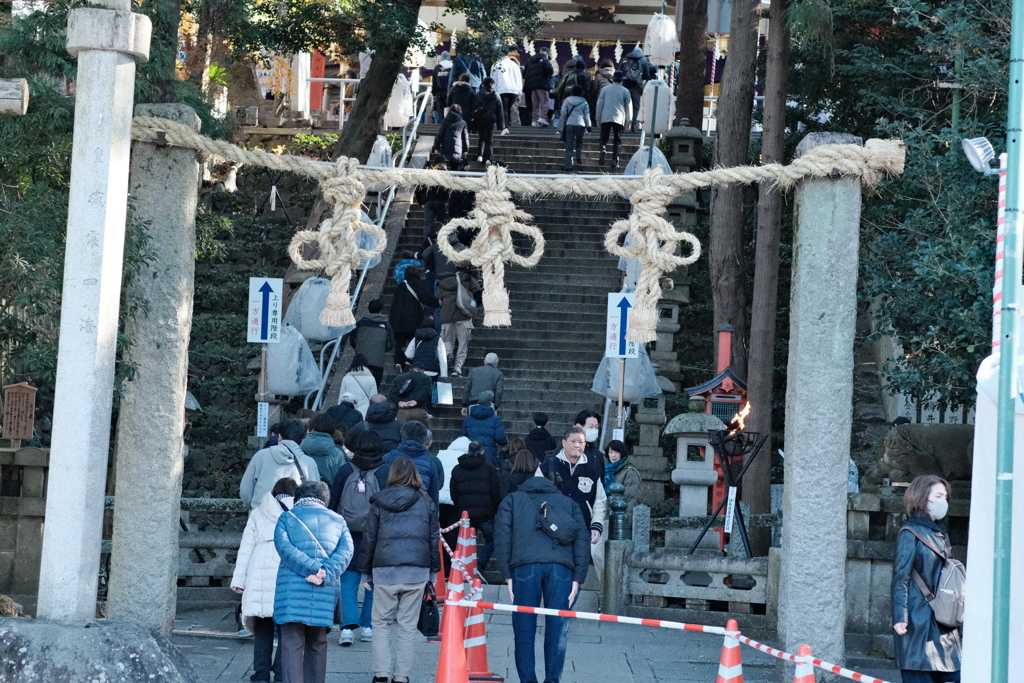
337 241
495 218
654 245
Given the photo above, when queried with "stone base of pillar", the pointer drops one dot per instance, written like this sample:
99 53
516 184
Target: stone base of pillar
110 651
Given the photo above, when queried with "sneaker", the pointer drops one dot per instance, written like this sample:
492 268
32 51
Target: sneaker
456 373
367 635
380 679
398 367
480 159
244 633
347 637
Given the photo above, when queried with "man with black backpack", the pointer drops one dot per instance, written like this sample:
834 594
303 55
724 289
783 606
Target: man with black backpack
440 84
541 547
636 71
356 482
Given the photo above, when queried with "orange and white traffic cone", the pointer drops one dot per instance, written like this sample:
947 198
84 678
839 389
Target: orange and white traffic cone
730 666
804 669
476 641
451 663
467 547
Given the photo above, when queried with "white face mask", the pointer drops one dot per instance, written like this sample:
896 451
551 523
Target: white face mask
591 435
937 509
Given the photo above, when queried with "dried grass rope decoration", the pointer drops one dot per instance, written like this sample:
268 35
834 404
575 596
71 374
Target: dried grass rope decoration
654 246
336 240
495 217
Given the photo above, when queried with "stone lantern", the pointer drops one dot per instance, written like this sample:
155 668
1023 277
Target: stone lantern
694 473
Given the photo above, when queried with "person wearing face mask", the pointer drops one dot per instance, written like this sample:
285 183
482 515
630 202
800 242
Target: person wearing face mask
926 651
579 476
590 422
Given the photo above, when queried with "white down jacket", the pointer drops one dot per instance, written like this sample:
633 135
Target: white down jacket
257 563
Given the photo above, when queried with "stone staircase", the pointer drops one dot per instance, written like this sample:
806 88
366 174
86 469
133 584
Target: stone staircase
553 348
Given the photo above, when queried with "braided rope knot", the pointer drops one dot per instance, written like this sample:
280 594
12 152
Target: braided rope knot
338 242
655 243
496 218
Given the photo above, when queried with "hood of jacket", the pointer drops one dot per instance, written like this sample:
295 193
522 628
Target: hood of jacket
487 94
381 413
453 117
270 509
281 453
426 334
607 71
472 461
411 449
396 499
368 460
637 53
536 58
376 317
538 485
318 445
445 63
462 85
481 412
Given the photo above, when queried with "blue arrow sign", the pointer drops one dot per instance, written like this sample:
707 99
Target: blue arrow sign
623 307
265 290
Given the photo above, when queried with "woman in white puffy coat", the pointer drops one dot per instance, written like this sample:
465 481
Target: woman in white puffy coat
256 575
360 383
508 81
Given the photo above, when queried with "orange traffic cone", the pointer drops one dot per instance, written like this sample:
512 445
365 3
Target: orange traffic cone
476 642
467 547
804 669
451 663
730 666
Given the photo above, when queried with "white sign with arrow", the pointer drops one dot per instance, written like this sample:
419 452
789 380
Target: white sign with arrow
620 307
264 313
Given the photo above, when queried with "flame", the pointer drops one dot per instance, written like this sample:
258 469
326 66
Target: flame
739 420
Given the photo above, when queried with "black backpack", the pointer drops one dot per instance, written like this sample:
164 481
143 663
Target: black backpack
632 70
355 498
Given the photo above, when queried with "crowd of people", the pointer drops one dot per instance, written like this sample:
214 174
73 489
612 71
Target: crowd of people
339 505
573 101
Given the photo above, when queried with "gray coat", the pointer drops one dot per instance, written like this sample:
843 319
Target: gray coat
481 379
575 112
614 105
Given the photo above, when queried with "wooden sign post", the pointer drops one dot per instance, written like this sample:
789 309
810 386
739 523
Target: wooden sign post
19 415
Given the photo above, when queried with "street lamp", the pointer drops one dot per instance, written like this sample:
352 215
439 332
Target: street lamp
980 153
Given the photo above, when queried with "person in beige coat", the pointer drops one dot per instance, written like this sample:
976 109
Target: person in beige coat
256 576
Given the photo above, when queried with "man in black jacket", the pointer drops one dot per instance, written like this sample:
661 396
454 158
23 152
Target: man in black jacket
579 477
536 84
373 337
452 139
413 393
538 568
476 490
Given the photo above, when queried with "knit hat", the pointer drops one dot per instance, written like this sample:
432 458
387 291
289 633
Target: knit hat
485 398
445 55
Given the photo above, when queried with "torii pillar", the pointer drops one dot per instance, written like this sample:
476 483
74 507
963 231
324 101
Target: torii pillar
819 409
108 39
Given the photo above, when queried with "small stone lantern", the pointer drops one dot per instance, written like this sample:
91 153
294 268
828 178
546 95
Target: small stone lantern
694 476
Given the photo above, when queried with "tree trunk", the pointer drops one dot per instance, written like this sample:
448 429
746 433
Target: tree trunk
163 53
693 41
735 105
757 482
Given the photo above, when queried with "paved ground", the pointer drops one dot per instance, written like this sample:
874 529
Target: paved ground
597 652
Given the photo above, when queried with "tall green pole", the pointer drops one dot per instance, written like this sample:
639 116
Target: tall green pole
954 118
1007 356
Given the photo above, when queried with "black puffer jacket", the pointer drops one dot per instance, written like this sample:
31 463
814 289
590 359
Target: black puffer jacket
927 646
345 413
380 419
487 109
401 531
462 94
509 482
518 540
538 73
426 349
475 488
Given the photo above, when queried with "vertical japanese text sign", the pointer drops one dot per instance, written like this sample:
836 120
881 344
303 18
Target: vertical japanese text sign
615 344
264 313
19 416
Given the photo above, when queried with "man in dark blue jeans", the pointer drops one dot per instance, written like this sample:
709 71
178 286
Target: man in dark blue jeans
541 564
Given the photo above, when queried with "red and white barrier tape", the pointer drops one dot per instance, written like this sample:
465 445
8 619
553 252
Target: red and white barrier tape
592 616
821 664
450 528
674 625
462 563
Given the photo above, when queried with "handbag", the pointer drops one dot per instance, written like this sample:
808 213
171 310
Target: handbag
429 622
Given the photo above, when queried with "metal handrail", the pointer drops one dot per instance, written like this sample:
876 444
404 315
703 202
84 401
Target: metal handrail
335 345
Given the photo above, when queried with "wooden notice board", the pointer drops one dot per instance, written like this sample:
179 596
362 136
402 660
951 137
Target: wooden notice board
19 415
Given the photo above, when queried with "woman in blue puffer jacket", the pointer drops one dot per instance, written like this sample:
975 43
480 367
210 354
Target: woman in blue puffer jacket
315 548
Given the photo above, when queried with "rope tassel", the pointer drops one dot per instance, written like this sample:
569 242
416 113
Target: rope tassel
337 241
655 245
495 217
